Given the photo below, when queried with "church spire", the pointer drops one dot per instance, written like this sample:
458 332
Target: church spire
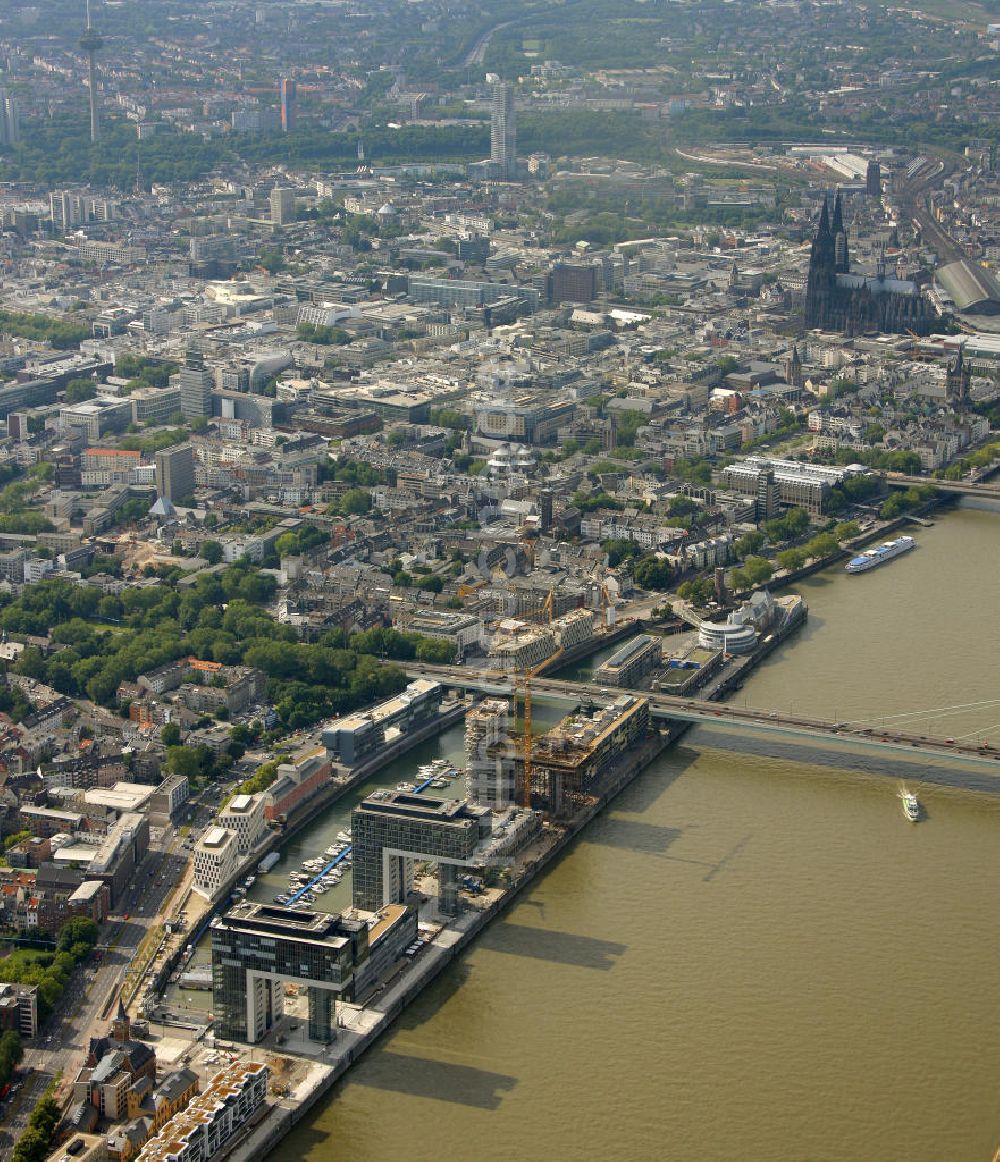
842 258
121 1026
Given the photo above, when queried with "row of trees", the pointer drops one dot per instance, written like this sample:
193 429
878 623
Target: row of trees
50 971
218 619
35 1143
62 333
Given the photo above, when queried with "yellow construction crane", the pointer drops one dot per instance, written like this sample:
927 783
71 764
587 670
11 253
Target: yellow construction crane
541 613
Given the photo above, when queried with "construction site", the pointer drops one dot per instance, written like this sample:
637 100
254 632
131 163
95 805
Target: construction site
475 862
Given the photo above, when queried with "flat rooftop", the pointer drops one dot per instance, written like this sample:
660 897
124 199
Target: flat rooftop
422 807
275 922
121 797
75 853
240 805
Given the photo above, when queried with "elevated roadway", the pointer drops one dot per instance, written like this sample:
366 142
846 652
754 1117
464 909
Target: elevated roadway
820 733
977 487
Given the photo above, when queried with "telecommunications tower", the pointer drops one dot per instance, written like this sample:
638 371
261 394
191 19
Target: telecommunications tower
90 42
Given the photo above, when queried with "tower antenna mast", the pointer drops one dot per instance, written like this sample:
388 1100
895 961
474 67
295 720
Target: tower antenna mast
90 42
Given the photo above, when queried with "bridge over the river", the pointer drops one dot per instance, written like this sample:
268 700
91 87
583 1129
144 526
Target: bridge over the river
977 486
820 733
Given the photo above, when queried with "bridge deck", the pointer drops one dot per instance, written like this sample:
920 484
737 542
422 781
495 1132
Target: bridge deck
762 722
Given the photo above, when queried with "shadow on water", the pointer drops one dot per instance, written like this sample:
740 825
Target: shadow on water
642 794
558 947
441 1080
926 769
307 1139
820 580
631 835
435 996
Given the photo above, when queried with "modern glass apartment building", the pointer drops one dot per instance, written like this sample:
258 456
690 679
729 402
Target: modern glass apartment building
390 833
258 948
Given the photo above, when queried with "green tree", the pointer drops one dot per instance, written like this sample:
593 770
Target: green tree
11 1052
653 573
212 552
791 559
793 524
184 760
757 569
619 550
170 735
435 652
80 930
355 502
749 543
80 389
271 258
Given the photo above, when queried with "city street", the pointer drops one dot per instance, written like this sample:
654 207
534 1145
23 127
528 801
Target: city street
61 1045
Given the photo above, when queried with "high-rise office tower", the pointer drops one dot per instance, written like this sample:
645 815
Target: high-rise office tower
196 383
873 179
90 42
282 205
289 105
10 120
175 472
503 133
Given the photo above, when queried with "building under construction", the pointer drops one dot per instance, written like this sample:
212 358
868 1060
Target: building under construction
520 647
574 756
573 628
629 664
489 755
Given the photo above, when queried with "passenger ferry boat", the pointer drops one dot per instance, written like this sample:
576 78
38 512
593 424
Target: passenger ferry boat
911 804
872 558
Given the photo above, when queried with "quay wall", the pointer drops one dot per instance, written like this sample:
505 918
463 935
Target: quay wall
335 790
283 1119
853 545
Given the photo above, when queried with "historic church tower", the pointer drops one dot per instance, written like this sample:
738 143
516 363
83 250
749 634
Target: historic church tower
841 256
821 282
121 1026
793 368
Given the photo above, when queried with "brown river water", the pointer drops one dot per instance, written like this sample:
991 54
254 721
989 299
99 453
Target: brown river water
749 955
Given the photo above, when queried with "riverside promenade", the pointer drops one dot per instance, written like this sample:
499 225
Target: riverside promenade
361 1027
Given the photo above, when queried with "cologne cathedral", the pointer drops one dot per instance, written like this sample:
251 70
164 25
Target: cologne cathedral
853 304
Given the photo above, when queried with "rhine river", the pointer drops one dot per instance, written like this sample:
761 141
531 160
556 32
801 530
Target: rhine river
747 956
